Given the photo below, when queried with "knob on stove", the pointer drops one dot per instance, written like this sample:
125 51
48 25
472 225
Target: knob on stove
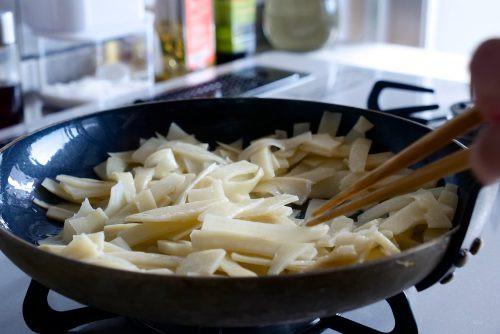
461 259
447 278
475 246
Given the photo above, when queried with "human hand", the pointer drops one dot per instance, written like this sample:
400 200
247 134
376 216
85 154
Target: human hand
485 81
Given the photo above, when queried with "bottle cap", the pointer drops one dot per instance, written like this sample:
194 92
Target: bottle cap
7 30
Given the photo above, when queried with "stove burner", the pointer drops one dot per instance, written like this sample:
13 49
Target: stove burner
459 108
379 86
296 328
41 318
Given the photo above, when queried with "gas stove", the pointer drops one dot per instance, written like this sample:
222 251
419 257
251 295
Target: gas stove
465 304
43 318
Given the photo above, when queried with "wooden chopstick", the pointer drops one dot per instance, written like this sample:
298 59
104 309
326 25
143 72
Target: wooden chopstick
421 148
453 163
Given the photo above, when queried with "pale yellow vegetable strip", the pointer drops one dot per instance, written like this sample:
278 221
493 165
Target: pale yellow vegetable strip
84 183
321 144
41 203
215 191
112 231
194 152
124 155
59 214
284 256
142 177
82 193
359 154
264 159
166 185
118 241
296 265
233 269
149 260
145 201
55 249
57 190
152 231
107 260
119 216
317 174
404 219
286 185
175 132
281 233
381 209
243 209
111 247
127 179
330 123
178 248
117 199
300 128
284 144
114 165
387 245
229 148
183 196
81 248
159 271
263 206
177 236
201 263
237 243
146 149
172 213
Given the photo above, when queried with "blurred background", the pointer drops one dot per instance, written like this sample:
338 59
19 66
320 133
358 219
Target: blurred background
113 52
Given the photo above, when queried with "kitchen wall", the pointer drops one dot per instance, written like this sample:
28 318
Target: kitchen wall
385 21
460 25
444 25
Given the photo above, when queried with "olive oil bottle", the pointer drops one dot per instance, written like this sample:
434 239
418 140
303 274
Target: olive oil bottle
186 33
235 29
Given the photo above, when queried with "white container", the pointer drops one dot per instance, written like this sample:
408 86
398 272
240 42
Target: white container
92 19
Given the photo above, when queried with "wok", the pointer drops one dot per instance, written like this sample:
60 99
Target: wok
75 146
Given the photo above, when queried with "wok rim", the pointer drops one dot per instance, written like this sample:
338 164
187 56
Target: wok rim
5 233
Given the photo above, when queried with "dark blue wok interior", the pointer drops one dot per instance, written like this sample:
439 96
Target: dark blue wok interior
76 146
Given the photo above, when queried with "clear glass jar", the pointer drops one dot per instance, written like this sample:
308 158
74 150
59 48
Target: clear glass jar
187 36
11 99
107 72
299 25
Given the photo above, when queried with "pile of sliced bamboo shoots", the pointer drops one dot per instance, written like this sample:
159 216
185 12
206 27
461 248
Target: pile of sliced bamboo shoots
175 207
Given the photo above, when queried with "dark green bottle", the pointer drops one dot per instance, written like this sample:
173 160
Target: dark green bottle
235 29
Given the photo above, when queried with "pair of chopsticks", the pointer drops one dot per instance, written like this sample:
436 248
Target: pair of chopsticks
433 141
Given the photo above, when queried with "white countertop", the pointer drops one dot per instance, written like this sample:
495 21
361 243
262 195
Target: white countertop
399 59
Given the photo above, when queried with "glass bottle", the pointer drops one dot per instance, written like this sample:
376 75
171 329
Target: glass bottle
11 99
235 29
187 36
299 25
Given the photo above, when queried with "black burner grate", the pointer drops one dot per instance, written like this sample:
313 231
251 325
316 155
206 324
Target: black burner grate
41 318
406 112
409 112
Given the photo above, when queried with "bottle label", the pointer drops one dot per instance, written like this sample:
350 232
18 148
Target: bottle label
199 29
235 24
